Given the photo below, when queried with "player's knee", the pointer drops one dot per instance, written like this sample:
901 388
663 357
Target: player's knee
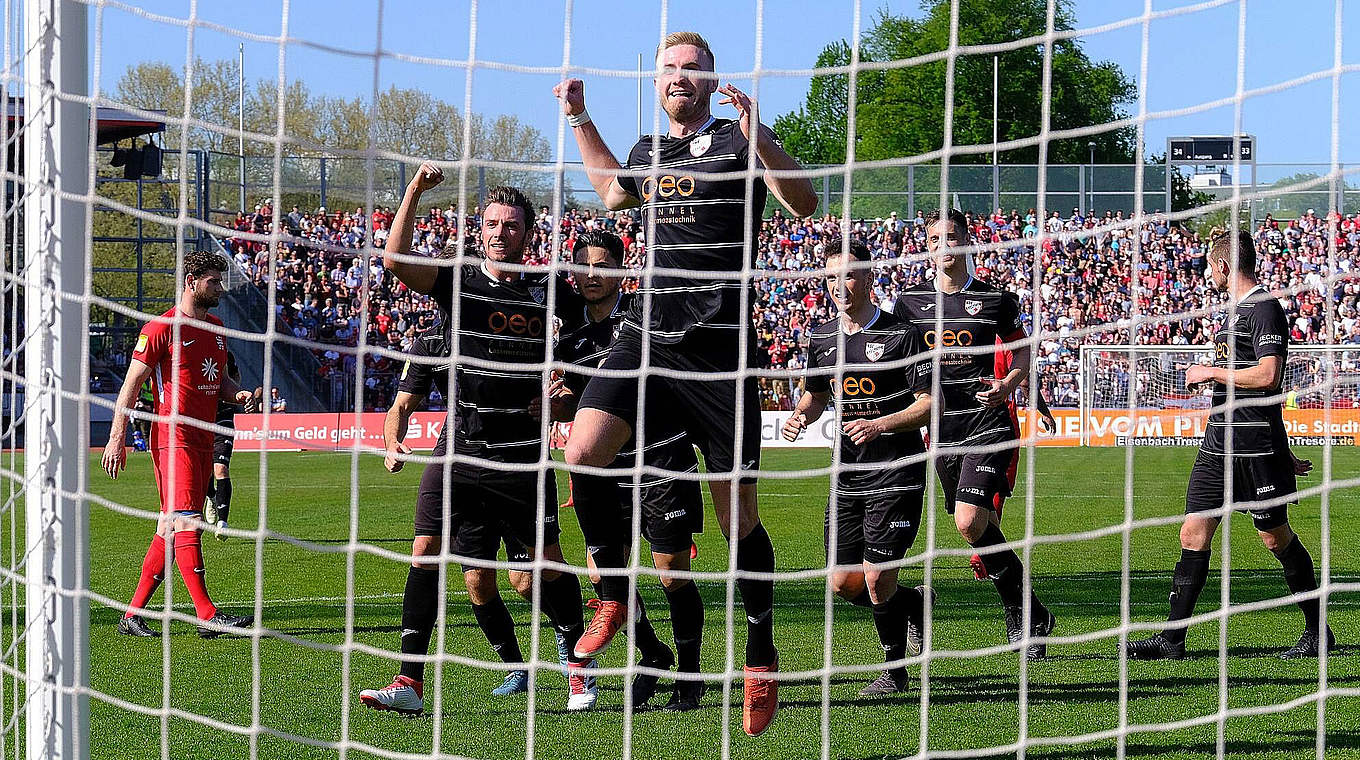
1197 534
582 451
522 582
672 583
970 527
847 585
1277 539
481 585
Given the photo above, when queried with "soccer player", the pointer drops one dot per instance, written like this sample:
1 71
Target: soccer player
186 362
501 319
881 384
218 506
693 323
964 318
1248 436
493 617
671 508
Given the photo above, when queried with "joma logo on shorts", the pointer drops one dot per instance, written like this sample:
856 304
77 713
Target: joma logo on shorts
990 470
899 524
1264 489
676 514
973 491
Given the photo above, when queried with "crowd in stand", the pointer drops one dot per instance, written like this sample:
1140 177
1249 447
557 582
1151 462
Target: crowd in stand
1092 276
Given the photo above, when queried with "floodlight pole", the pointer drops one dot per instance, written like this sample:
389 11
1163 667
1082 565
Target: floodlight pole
241 117
56 139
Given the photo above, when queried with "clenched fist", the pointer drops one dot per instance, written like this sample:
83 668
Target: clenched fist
427 177
572 94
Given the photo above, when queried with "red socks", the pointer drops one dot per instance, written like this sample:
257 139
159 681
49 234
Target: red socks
189 559
153 572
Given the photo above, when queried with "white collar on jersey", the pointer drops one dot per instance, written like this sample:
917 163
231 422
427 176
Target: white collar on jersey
494 279
614 312
877 313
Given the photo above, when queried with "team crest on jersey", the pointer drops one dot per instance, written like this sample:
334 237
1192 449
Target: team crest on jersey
874 351
221 345
141 343
209 370
540 295
972 307
700 145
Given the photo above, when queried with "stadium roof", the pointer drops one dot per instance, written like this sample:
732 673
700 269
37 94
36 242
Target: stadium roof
114 124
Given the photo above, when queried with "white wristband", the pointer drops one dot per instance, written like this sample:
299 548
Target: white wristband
579 120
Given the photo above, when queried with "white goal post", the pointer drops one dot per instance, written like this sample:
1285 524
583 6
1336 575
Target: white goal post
1320 394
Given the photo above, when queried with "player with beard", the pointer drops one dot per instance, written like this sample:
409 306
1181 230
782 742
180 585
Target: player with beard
693 323
1247 435
878 369
500 320
185 357
671 508
965 318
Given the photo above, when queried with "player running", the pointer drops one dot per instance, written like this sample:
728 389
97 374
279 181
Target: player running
965 318
417 379
218 506
671 508
693 323
881 381
186 361
1248 435
501 319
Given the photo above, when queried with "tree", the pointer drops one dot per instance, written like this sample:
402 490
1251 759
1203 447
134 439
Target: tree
900 111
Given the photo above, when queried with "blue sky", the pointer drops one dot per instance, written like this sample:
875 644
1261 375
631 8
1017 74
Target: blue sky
1192 57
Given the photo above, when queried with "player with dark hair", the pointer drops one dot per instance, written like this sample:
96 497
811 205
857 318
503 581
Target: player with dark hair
217 509
185 358
1246 434
671 508
693 323
878 371
501 318
964 318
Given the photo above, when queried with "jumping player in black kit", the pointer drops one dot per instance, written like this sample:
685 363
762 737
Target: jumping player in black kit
693 324
501 317
881 385
218 507
964 318
671 508
1248 435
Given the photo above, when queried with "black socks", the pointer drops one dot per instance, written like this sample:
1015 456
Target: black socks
419 608
495 621
755 553
890 618
687 623
1191 573
1298 575
1007 572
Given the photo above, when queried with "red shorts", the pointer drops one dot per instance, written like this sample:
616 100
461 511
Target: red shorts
192 468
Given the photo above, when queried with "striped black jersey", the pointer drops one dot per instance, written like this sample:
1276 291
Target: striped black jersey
1257 329
498 325
876 371
586 346
966 329
700 224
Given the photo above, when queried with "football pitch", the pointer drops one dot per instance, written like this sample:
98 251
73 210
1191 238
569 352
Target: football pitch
974 701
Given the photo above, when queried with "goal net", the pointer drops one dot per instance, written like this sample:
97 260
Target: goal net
1320 393
292 170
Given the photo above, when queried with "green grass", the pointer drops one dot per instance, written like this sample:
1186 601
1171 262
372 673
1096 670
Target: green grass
973 700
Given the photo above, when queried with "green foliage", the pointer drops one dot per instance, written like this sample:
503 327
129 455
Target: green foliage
901 111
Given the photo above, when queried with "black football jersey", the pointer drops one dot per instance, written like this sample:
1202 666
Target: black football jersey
498 325
883 367
700 224
1258 329
977 315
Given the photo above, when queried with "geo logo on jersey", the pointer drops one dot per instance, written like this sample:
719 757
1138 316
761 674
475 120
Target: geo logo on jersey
209 370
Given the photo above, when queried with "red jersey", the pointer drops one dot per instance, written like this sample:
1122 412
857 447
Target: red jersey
1004 358
189 386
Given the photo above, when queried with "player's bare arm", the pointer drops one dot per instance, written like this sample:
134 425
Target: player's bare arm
417 276
395 425
601 165
1002 387
794 193
913 417
809 410
115 451
1265 375
230 390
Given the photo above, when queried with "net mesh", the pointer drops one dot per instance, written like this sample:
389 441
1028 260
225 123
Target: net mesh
290 688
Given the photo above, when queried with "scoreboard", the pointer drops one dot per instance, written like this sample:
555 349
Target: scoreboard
1211 150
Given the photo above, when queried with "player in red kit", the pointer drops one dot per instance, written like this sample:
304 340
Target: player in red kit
186 362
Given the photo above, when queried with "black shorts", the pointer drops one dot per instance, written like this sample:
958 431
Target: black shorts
876 525
706 410
672 508
222 444
1255 479
486 506
976 478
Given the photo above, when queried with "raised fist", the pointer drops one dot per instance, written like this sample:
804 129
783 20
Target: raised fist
427 177
572 94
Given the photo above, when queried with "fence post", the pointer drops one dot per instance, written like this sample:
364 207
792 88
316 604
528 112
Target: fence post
996 188
481 184
56 139
826 193
323 180
911 192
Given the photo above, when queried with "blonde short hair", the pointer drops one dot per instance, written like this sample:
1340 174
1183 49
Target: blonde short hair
675 39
